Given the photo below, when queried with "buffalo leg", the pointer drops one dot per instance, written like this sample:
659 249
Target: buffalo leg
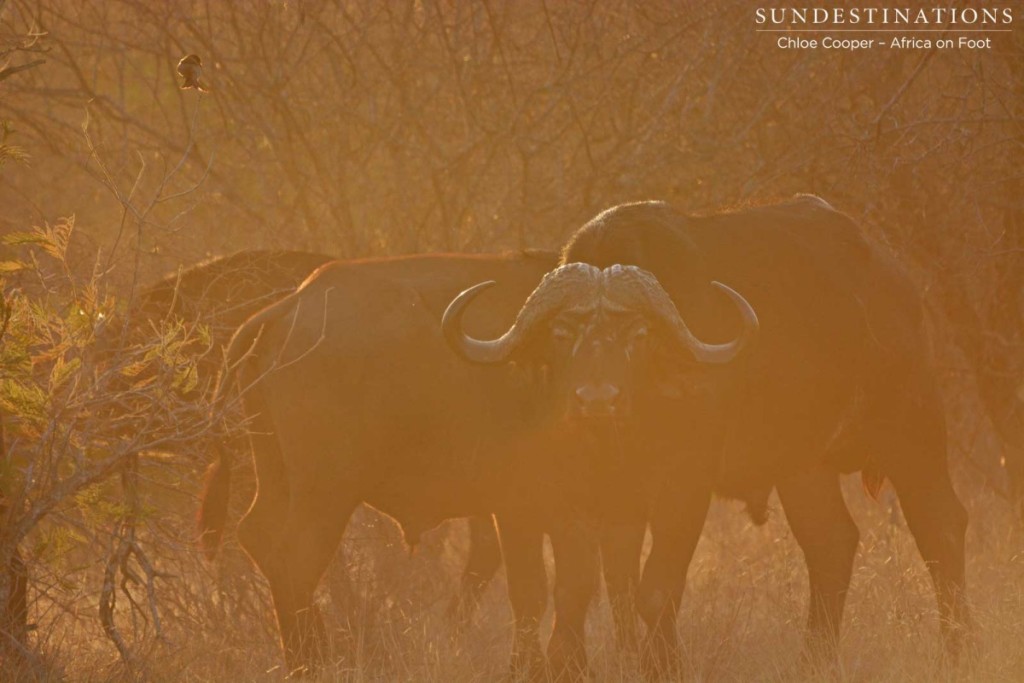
522 544
310 545
483 562
938 522
676 523
293 556
821 523
621 546
576 576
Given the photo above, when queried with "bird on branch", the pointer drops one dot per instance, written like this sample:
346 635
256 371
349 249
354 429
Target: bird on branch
191 68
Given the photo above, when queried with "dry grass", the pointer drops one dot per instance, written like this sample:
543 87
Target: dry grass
741 620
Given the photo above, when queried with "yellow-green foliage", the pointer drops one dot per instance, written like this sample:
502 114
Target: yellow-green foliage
83 405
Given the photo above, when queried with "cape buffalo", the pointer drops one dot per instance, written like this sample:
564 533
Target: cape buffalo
225 292
353 396
837 381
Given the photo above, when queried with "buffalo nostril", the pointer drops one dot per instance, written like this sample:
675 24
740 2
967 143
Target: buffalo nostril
602 396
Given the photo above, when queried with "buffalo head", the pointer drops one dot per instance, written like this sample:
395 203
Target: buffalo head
598 332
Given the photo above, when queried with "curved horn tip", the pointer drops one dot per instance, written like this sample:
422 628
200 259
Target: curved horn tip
473 350
752 326
479 287
748 311
464 297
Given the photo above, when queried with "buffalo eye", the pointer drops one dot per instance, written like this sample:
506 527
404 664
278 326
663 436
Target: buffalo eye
562 338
